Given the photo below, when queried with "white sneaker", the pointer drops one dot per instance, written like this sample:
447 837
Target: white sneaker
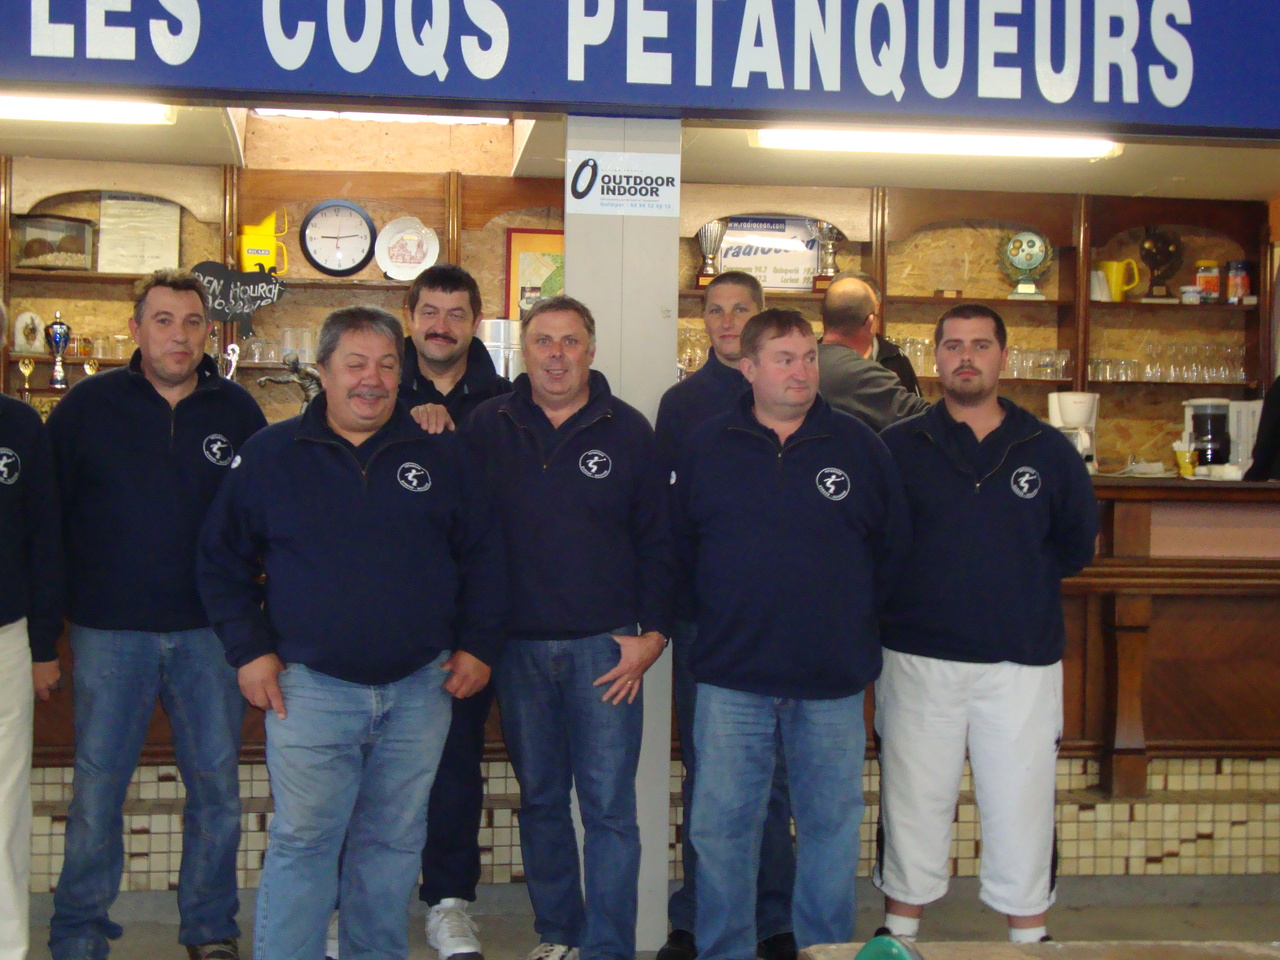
331 938
452 932
553 951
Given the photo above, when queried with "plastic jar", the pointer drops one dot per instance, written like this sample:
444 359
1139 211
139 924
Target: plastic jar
1208 280
1237 280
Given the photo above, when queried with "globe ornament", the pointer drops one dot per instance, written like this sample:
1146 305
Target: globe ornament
1025 257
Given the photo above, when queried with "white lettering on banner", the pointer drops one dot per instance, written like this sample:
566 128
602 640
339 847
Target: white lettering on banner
646 66
703 35
103 42
423 53
1172 90
941 82
818 31
1110 50
997 83
289 52
50 39
881 72
486 63
1058 86
354 56
586 31
766 58
176 48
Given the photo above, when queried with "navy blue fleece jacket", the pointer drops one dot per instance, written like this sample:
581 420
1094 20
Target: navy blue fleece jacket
480 382
794 546
710 390
30 529
998 524
584 512
377 557
135 478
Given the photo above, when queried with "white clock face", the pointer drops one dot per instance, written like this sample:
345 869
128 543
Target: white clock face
338 239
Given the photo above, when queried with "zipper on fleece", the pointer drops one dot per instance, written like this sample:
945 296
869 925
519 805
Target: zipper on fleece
542 457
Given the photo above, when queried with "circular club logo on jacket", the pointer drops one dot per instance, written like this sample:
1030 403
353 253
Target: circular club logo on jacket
10 466
833 483
218 449
414 477
595 464
1025 482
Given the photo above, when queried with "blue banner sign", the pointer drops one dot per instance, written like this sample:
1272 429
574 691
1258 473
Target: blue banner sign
1168 66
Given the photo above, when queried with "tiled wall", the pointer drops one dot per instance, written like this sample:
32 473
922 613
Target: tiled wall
1202 817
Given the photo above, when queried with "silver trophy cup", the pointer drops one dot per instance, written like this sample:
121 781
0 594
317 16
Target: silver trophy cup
58 336
709 236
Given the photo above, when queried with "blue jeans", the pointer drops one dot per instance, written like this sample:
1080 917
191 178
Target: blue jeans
777 850
355 762
560 734
117 676
736 737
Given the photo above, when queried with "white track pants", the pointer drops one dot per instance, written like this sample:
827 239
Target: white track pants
1009 717
16 710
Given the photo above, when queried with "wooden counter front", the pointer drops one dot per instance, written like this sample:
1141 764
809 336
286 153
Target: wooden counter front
1172 648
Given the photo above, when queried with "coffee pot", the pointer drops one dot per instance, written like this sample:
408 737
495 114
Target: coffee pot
1075 413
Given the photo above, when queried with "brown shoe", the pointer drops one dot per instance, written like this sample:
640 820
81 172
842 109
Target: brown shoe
217 950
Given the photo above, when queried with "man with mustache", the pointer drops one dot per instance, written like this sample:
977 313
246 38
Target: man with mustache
849 380
384 582
1002 509
574 474
449 373
140 452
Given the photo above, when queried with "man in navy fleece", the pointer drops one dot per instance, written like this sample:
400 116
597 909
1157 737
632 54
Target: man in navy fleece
1003 509
729 301
771 495
383 600
140 452
575 477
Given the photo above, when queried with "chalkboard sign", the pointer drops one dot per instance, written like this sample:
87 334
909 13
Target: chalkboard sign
234 296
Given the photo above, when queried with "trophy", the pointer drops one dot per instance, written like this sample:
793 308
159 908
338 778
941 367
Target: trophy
709 236
828 236
58 336
27 366
90 367
1025 257
228 361
1162 253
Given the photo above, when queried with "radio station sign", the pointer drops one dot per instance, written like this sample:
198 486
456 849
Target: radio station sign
1194 66
635 184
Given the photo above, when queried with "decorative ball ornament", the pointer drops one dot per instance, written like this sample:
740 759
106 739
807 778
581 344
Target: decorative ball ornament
1025 257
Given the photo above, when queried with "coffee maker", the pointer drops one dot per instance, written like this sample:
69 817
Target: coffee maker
1076 415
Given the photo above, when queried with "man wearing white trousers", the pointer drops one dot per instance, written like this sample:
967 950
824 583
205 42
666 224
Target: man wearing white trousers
30 621
1002 509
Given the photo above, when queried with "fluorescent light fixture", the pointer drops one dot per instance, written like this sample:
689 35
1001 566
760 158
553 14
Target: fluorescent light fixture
376 117
937 143
85 111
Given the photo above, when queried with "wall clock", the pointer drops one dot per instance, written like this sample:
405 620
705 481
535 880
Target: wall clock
337 237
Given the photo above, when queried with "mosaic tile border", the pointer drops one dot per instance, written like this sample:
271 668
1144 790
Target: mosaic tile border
1202 818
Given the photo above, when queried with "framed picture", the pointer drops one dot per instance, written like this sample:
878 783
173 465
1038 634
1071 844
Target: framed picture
535 268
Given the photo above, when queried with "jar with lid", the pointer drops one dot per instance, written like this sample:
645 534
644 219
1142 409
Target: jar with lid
1208 280
1237 281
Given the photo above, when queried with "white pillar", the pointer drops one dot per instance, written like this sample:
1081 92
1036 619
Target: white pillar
626 270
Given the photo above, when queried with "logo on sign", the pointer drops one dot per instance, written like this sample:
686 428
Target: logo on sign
414 477
1025 482
10 466
218 450
595 464
833 483
592 169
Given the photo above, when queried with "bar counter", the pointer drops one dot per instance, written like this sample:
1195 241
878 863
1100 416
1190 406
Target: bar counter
1171 633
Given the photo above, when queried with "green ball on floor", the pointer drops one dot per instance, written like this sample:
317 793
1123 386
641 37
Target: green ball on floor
888 948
